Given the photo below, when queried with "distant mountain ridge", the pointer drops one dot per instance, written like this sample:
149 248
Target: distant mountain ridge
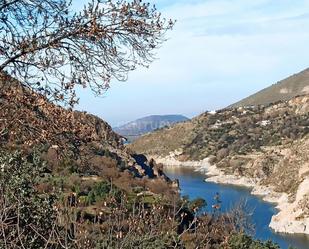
147 124
295 85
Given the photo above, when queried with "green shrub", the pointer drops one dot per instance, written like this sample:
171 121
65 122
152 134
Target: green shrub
29 215
101 191
98 192
197 204
243 241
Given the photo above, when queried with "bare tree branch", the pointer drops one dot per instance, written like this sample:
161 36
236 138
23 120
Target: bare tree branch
52 50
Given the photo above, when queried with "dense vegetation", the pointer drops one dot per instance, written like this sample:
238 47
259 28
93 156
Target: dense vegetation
44 210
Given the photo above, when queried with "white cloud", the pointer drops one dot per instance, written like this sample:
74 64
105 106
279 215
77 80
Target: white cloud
200 45
238 45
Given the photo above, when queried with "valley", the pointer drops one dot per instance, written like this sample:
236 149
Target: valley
76 173
262 147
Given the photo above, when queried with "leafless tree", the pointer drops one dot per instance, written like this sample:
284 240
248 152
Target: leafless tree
52 49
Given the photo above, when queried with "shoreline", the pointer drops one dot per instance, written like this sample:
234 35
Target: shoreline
287 220
171 162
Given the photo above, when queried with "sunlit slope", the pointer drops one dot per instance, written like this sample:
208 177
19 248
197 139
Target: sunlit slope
295 85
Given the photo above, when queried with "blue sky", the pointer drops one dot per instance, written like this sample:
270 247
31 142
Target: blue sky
219 52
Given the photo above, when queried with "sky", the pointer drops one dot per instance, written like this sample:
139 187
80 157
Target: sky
219 52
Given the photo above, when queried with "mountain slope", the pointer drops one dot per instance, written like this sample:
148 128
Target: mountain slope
70 141
268 145
236 131
136 128
295 85
93 190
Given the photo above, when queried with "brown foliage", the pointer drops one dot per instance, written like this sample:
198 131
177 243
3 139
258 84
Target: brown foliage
52 50
70 141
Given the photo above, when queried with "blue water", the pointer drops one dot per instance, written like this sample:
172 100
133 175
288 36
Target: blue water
193 185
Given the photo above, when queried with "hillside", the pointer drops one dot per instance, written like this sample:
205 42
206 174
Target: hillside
134 129
67 177
230 131
295 85
70 141
67 181
266 144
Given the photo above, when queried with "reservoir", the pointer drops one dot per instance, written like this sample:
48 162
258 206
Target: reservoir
193 185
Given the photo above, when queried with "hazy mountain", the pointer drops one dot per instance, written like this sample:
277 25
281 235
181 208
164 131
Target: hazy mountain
136 128
297 84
